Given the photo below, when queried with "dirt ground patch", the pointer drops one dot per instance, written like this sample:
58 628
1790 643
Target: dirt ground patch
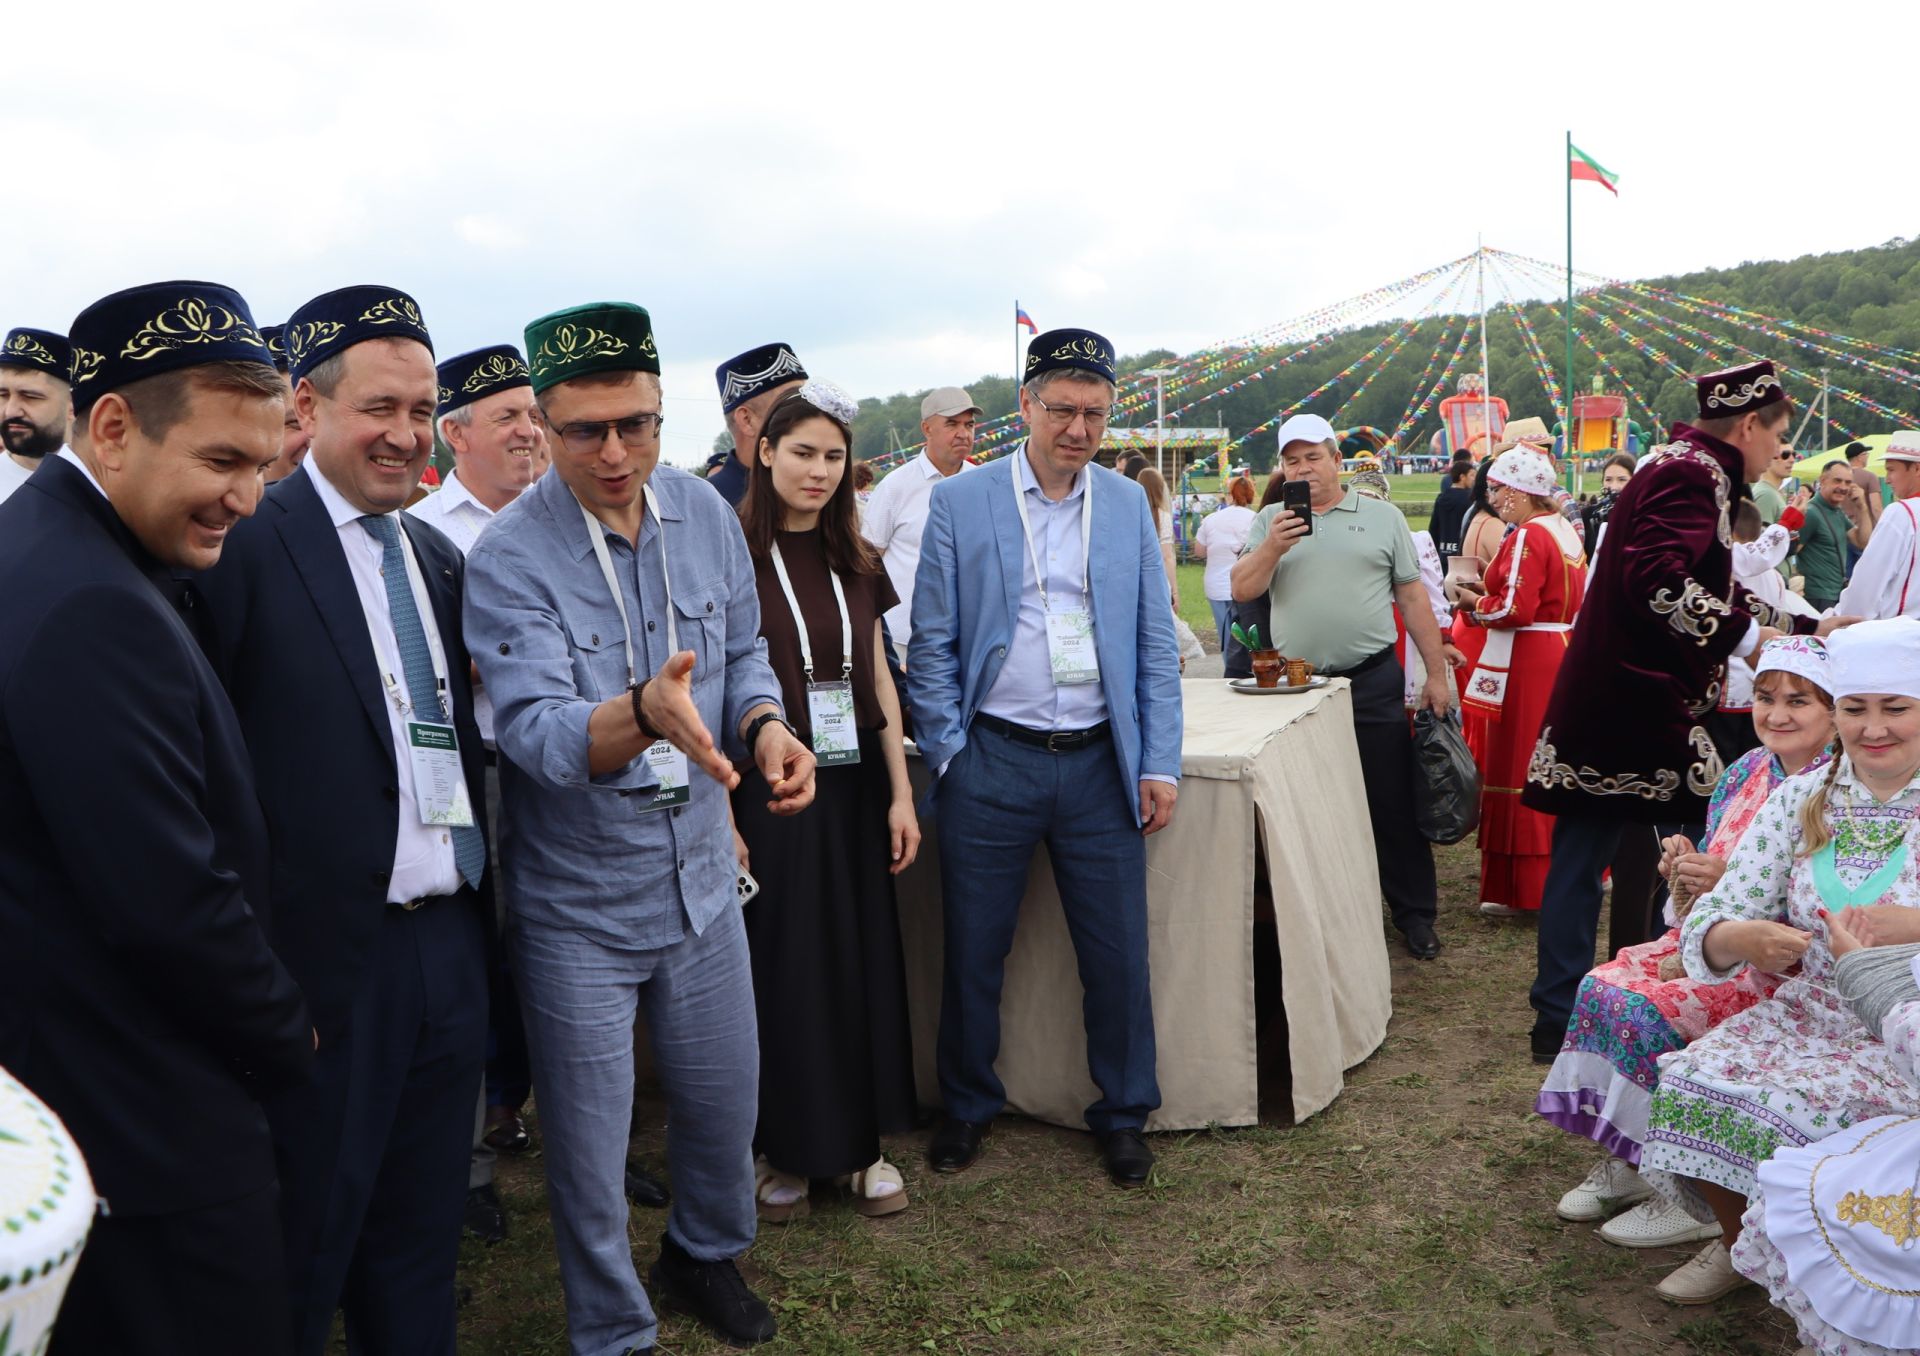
1413 1215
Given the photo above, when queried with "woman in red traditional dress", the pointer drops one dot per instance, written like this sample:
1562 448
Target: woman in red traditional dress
1531 592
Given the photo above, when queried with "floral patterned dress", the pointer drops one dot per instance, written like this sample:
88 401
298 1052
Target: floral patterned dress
1626 1016
1799 1066
1819 1253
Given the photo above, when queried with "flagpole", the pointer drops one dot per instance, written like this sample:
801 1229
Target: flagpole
1486 377
1568 443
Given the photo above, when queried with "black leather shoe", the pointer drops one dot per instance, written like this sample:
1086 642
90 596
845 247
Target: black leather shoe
712 1292
1422 944
1128 1158
643 1188
1545 1043
955 1144
506 1132
485 1218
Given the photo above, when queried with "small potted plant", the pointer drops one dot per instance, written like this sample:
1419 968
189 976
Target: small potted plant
1266 660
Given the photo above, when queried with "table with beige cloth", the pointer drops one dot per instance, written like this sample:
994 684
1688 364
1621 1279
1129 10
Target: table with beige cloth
1280 770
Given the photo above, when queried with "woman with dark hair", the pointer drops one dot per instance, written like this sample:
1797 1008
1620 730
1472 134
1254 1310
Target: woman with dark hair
1481 536
1615 472
836 1064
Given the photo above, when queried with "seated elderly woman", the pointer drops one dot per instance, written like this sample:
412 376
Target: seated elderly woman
1834 1234
1641 1004
1799 1066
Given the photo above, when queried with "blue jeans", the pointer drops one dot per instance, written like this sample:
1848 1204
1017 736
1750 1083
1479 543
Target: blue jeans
998 799
580 998
1222 617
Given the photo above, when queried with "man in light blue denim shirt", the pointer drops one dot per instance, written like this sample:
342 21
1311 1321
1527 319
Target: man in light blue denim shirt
612 613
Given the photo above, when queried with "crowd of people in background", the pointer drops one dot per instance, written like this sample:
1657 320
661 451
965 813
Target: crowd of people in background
434 804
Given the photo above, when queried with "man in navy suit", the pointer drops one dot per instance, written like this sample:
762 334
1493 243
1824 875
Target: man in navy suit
335 624
142 1001
1046 693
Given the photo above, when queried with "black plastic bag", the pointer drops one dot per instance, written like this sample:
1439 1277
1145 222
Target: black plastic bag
1446 794
1235 661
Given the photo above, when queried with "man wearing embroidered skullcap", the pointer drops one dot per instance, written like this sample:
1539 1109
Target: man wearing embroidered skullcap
336 628
613 613
1051 712
144 1003
749 385
293 438
1886 580
486 415
1662 617
35 402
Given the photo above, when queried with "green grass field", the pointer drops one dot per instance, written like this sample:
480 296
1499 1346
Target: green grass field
1414 1215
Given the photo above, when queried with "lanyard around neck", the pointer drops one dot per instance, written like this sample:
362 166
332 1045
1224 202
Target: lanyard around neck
597 534
389 664
800 622
1086 532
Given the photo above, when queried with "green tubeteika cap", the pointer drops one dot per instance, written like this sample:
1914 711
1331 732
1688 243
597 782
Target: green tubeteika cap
601 336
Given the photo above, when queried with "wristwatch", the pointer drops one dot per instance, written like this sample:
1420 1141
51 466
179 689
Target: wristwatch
759 721
647 732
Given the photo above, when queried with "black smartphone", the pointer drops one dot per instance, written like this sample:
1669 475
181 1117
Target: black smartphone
1297 497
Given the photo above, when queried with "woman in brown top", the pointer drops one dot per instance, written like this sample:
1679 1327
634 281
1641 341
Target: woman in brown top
836 1060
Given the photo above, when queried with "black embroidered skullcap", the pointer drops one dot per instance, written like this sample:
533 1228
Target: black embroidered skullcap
1069 350
468 377
334 322
162 327
42 350
745 376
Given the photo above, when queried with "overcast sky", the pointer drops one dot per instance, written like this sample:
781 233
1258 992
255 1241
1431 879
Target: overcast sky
877 184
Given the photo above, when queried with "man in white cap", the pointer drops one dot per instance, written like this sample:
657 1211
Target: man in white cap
897 513
1332 583
1886 579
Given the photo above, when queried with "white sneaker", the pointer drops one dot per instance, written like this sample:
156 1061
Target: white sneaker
1488 909
1611 1186
1701 1279
1655 1223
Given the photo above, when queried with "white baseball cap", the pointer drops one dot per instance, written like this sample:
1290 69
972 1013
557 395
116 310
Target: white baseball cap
948 400
1305 428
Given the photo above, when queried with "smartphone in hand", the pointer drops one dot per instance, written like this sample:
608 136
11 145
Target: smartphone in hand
1296 496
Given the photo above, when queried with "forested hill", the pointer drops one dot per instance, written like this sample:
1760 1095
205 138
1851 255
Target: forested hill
1869 294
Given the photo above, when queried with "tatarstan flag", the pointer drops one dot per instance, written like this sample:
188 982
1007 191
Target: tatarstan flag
1583 166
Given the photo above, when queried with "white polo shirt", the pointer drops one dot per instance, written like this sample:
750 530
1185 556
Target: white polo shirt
895 517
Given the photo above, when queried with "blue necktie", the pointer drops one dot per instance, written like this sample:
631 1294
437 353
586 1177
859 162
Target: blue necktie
469 848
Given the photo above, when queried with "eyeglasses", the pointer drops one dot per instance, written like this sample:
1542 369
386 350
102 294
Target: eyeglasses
590 435
1063 415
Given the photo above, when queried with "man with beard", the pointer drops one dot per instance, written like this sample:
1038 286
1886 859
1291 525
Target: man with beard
34 402
336 628
143 1002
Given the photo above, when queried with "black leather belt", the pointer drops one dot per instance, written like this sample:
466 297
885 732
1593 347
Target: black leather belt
1053 741
1367 665
409 905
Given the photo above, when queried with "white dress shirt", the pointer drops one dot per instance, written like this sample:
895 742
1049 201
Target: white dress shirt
1024 692
72 458
423 861
453 509
1886 578
895 518
13 475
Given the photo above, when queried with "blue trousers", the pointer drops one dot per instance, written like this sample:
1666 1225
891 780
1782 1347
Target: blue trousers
1583 847
580 998
998 799
373 1149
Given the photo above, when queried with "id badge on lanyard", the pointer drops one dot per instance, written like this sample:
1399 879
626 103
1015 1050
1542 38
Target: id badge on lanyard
836 742
1070 649
433 749
668 764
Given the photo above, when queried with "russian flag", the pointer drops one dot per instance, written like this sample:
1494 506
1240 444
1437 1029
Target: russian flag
1020 317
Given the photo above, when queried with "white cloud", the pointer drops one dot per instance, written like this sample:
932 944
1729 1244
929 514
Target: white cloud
877 184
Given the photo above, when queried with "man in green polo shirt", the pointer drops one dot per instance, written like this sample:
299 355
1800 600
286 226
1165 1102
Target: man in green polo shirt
1836 519
1332 593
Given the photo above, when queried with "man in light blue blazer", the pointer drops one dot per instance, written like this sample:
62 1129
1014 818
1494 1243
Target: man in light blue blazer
1046 694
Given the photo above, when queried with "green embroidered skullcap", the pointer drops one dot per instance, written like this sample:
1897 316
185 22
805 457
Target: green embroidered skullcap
602 336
